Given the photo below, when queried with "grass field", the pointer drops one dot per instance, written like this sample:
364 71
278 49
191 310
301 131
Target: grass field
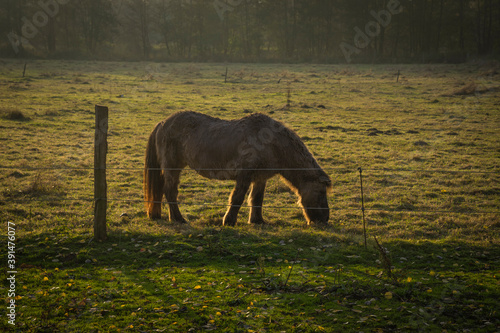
428 145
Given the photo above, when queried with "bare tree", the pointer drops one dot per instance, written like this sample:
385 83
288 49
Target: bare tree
136 23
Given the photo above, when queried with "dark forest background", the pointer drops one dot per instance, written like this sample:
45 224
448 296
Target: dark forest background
251 30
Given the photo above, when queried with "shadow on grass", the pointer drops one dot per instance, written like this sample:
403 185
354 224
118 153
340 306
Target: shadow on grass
169 277
225 248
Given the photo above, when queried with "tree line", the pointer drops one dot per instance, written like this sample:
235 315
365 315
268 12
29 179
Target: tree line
251 30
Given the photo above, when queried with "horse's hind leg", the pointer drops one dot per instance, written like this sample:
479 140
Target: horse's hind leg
255 200
171 191
236 200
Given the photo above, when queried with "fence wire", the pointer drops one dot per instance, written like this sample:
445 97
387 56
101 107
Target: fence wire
344 169
356 193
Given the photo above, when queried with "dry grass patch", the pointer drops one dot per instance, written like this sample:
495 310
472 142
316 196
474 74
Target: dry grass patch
44 183
471 88
12 114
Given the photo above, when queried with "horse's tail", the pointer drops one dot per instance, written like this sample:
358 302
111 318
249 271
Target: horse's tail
153 179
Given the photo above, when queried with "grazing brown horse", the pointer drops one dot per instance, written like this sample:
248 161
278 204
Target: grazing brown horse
249 150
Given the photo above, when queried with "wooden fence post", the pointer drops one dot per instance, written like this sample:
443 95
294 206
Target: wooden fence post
100 185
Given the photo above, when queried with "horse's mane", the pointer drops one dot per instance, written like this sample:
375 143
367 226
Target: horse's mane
293 153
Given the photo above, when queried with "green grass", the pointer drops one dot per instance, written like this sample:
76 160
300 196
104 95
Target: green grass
428 146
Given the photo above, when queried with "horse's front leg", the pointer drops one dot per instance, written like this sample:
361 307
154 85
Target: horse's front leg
255 200
172 178
236 200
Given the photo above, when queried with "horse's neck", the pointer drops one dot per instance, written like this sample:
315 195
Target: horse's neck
295 177
299 166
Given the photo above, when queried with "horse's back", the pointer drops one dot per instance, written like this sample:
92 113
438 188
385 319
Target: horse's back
183 120
199 141
252 142
196 118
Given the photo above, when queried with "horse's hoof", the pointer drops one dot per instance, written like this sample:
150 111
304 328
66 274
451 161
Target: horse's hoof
316 224
257 221
181 221
228 224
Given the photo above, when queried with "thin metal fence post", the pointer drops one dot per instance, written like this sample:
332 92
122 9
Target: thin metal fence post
362 203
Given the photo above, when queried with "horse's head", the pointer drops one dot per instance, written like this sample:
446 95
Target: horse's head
314 201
